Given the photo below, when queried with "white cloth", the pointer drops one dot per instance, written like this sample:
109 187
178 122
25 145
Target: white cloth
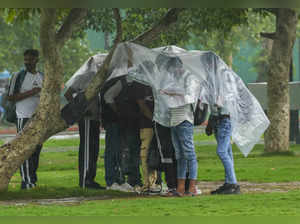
180 114
25 108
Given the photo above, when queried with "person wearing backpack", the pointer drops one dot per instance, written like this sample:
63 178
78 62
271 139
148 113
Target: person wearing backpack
24 91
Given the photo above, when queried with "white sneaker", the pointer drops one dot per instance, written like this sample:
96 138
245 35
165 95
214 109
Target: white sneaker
114 187
199 191
137 189
156 189
126 187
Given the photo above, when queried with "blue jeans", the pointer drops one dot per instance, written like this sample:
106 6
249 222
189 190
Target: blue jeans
182 139
223 133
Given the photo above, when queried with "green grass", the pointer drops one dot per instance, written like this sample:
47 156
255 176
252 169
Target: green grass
58 178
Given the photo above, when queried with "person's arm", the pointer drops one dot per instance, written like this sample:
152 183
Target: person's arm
21 96
145 109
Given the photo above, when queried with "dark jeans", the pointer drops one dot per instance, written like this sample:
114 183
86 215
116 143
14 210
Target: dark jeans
112 155
88 150
132 138
29 167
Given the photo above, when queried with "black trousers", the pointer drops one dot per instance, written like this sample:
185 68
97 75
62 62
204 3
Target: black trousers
29 167
168 151
88 150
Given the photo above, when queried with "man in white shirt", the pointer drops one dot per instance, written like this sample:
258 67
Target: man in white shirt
24 91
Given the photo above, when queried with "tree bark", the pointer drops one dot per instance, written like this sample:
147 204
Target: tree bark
277 135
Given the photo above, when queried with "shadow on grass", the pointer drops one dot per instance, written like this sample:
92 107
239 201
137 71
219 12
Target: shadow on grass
270 154
61 192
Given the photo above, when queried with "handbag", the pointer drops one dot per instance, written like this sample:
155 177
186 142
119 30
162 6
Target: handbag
153 158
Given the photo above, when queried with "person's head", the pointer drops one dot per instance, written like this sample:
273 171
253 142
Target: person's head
161 60
174 65
31 58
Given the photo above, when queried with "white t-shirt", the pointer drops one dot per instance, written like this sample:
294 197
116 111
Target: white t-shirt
26 107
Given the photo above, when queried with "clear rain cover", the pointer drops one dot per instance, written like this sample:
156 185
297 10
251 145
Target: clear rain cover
180 77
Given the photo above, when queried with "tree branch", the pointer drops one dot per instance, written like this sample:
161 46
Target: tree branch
74 111
119 25
74 19
148 36
271 36
103 72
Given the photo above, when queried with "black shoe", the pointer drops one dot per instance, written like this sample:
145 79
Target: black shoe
232 189
220 189
26 186
93 185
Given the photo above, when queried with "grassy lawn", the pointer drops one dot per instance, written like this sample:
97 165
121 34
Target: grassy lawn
58 178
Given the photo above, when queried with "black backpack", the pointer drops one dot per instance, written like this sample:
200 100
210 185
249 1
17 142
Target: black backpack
126 105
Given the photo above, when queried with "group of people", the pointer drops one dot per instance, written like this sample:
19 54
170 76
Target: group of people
124 108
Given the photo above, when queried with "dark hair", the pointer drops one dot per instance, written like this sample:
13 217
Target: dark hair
161 59
32 52
174 62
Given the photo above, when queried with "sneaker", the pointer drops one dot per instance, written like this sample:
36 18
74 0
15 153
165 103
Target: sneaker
227 189
220 189
232 189
126 187
137 189
197 193
94 185
114 187
25 186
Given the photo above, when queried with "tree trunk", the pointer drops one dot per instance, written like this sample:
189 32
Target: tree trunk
277 135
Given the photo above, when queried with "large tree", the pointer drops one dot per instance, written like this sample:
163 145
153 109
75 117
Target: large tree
277 135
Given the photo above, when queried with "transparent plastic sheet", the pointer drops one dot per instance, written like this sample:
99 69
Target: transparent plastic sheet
202 75
81 78
180 77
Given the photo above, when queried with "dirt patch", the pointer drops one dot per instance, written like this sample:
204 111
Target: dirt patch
206 188
250 187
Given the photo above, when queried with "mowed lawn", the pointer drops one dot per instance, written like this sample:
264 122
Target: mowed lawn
58 178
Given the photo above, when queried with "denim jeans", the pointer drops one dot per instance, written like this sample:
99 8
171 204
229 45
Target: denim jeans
223 133
182 139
